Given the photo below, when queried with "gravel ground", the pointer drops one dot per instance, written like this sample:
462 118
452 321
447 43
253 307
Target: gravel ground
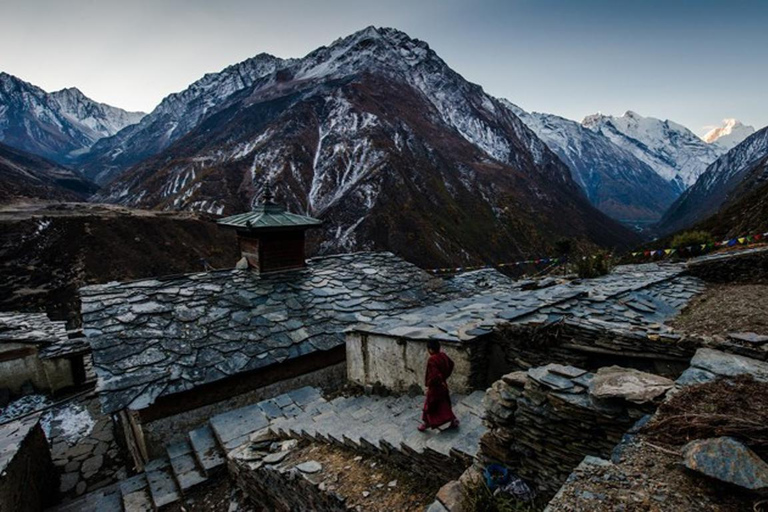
648 479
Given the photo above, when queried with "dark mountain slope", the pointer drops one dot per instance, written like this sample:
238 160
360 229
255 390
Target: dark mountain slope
27 176
729 179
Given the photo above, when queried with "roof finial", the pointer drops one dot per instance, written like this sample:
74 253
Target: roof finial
267 196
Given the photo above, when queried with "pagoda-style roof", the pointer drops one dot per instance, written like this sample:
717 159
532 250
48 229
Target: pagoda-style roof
269 216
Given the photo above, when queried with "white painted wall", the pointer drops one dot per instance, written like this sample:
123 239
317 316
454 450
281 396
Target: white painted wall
46 375
397 363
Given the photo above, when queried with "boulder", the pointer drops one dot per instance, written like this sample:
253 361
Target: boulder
628 384
727 460
729 365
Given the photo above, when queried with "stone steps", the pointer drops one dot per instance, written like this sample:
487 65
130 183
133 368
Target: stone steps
108 498
371 424
206 449
135 494
162 485
389 426
186 469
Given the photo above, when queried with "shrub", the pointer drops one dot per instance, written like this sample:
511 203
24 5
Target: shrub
691 238
596 265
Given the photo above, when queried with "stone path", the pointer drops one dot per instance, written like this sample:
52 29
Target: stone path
363 423
83 447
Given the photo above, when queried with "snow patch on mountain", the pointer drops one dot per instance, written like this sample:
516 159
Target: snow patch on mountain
729 134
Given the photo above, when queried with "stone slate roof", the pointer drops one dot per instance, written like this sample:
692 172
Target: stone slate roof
38 329
634 298
158 337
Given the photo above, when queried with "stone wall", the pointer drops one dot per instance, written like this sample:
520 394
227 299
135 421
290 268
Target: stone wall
399 363
750 267
518 347
28 482
159 433
543 422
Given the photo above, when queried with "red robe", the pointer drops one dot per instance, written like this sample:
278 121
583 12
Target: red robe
437 406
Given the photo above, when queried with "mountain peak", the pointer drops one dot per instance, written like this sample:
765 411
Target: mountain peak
671 149
729 134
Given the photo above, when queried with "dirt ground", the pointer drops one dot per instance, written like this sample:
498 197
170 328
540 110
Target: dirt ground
369 482
725 308
649 479
221 496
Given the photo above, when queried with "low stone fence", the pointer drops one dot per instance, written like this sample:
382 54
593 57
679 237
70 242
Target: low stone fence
543 422
748 267
517 347
282 488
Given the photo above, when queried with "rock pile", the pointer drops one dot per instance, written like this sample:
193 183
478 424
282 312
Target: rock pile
543 422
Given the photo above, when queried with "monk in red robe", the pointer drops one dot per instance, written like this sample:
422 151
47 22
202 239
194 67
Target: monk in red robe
437 405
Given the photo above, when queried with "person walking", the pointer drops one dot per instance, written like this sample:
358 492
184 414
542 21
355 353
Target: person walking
437 404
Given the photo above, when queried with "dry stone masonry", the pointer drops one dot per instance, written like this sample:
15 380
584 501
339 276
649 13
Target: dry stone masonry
26 473
638 474
544 421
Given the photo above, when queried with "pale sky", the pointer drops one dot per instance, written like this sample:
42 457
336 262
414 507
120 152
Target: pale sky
695 62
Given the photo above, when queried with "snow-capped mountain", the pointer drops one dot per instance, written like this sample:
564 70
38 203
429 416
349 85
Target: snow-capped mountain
731 133
670 149
27 176
376 135
176 115
729 178
615 181
58 125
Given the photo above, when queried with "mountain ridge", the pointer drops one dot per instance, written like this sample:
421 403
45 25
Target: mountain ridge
59 125
729 134
669 148
615 181
380 137
724 182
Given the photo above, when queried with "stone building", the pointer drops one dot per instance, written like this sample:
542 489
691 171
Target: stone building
619 317
171 352
35 350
